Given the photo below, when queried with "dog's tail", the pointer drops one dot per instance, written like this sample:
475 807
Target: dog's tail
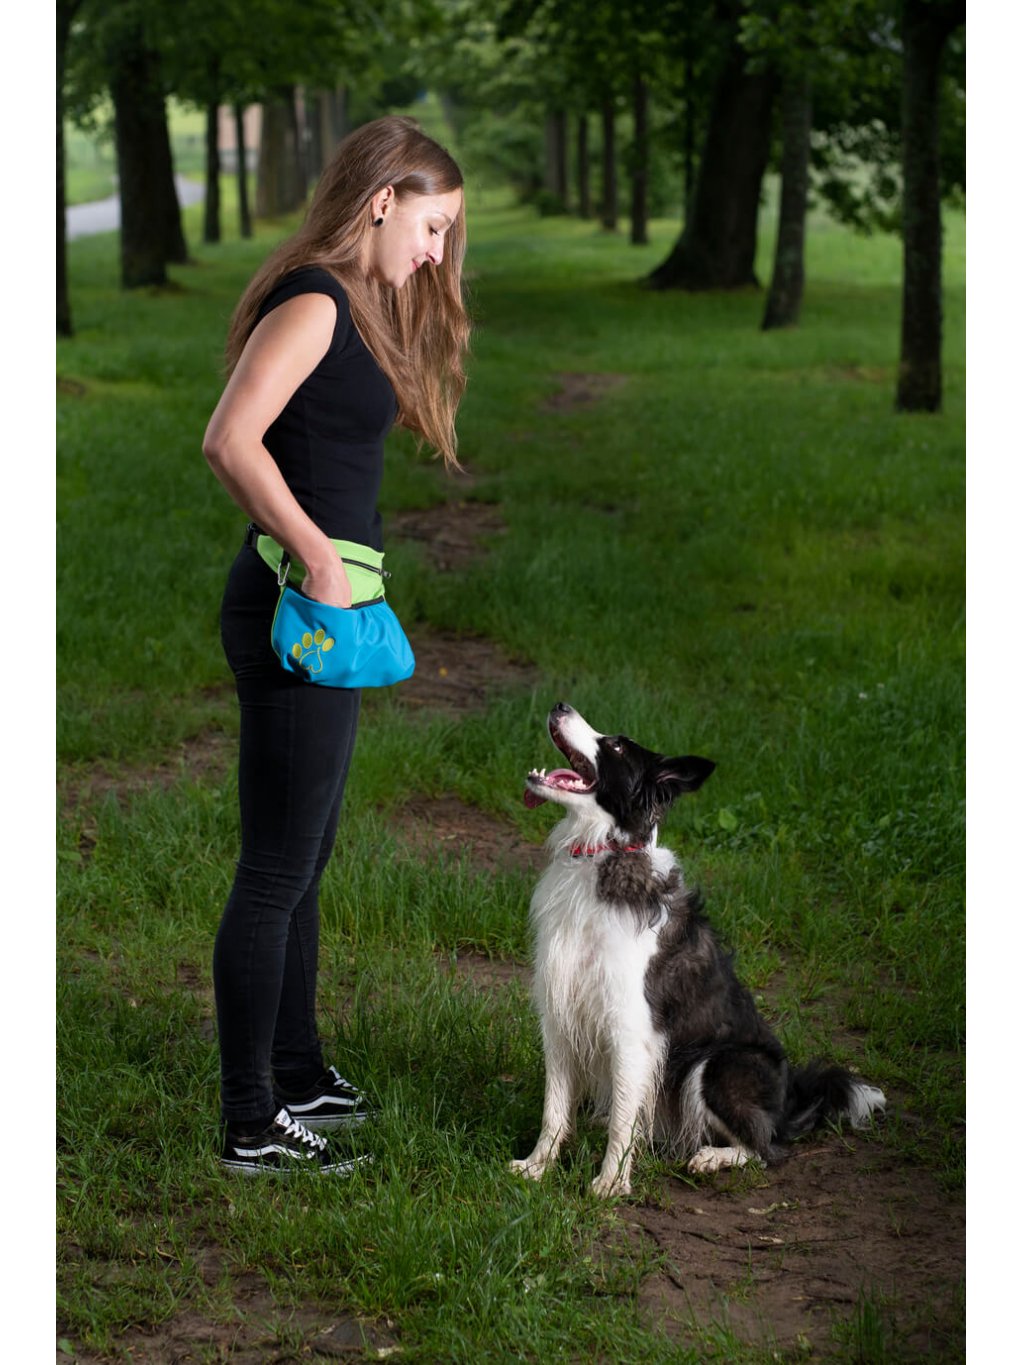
818 1092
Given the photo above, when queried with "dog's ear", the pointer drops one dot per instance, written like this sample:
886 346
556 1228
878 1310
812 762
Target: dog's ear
677 775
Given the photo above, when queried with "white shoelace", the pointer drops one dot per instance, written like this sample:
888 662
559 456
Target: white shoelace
302 1134
340 1080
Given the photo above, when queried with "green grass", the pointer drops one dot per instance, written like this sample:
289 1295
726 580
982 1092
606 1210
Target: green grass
741 551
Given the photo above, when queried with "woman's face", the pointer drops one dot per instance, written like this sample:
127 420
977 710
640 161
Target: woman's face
412 234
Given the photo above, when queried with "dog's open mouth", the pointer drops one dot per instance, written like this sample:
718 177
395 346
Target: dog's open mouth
579 779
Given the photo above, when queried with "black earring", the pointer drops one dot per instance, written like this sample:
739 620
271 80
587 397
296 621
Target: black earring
377 221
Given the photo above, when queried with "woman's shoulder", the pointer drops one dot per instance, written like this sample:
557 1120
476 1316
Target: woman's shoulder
307 279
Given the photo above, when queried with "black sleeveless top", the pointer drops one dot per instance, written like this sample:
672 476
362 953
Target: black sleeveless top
328 441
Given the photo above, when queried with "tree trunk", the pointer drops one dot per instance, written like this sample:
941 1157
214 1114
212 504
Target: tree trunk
689 132
638 170
316 115
280 184
65 14
926 28
719 242
140 133
782 308
302 142
339 116
609 183
583 166
328 124
556 174
242 174
175 246
64 327
211 204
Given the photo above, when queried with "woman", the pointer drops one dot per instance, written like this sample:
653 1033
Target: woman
354 323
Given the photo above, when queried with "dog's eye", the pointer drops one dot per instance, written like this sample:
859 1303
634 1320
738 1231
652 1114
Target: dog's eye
616 746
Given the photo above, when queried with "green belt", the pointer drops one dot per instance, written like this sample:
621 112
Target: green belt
363 565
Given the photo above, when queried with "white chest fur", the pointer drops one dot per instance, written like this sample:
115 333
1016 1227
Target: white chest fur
591 958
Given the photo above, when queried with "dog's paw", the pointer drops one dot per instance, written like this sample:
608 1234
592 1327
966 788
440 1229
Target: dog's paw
711 1159
528 1167
610 1186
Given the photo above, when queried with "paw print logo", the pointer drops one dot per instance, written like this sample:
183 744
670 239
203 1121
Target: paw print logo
310 650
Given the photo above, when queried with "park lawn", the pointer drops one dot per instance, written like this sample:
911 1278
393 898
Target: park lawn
740 550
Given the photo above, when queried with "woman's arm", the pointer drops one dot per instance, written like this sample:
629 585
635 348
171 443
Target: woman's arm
283 350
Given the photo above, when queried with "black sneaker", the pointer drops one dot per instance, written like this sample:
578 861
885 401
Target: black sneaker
332 1103
284 1147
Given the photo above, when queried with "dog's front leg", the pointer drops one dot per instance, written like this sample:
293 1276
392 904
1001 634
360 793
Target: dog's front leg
560 1094
633 1078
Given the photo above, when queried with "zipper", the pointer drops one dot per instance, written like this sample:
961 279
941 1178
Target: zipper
370 568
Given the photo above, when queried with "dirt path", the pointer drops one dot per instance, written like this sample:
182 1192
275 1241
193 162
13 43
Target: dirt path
841 1230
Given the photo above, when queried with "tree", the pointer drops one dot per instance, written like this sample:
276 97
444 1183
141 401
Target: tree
893 107
639 163
592 56
926 28
280 176
240 52
556 161
66 10
801 43
114 46
211 200
583 165
609 166
717 247
242 173
151 231
786 291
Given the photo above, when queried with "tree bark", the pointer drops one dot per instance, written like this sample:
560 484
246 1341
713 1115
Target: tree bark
609 181
638 169
925 30
785 296
717 247
280 186
175 246
65 14
689 131
140 133
315 115
583 166
556 176
302 142
64 327
339 115
211 203
328 124
242 174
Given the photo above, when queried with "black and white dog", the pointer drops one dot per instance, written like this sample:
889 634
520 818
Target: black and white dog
640 1008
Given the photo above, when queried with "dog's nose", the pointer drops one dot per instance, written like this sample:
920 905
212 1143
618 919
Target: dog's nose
560 708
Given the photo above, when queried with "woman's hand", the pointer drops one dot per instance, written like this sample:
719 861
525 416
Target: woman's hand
328 583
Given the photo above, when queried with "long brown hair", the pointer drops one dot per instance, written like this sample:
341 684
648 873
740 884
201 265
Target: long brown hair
418 334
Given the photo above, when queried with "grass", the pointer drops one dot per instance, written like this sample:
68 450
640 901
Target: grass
740 551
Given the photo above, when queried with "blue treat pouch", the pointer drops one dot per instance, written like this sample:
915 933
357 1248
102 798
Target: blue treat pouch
358 646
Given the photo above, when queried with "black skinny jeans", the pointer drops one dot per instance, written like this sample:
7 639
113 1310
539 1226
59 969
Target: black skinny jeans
296 746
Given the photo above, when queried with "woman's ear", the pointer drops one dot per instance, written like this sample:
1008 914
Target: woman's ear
382 203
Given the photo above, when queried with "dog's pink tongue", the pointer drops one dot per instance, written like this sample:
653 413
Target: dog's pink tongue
531 799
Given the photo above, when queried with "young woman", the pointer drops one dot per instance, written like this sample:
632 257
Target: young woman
353 324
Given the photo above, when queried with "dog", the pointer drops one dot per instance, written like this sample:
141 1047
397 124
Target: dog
640 1008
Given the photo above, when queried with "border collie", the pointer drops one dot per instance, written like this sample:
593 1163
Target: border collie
640 1008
